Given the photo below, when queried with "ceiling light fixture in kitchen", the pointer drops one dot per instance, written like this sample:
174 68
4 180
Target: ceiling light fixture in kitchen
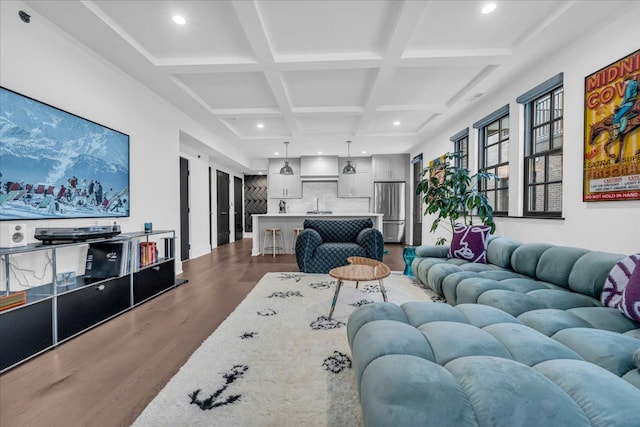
349 168
286 169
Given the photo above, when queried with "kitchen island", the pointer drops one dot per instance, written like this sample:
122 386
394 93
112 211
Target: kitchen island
288 221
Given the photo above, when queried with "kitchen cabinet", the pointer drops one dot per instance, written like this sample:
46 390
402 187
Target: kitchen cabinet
284 186
393 167
358 184
319 166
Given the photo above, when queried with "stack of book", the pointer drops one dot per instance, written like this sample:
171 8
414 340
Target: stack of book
12 300
148 253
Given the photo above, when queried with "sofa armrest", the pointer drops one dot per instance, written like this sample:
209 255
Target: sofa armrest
306 243
432 251
372 241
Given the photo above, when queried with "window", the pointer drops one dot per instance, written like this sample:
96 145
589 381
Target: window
543 148
461 147
494 158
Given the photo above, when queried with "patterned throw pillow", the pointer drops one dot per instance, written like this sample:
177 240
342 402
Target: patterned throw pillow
630 304
469 243
617 281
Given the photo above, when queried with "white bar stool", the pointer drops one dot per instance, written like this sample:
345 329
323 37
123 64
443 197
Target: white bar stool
274 233
294 237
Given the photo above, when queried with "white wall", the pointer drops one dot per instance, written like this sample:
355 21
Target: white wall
40 61
606 226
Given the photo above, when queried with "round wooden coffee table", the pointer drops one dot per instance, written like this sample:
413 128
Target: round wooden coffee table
359 270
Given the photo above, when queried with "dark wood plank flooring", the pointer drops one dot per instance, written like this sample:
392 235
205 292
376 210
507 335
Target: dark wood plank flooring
107 376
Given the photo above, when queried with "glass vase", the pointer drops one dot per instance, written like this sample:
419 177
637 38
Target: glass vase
408 253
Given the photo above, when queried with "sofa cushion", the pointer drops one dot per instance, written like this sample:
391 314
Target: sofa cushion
563 300
603 397
609 350
452 340
548 321
469 242
556 263
495 386
338 230
381 337
609 319
371 312
527 345
514 303
589 273
630 304
617 280
332 255
499 251
526 256
406 391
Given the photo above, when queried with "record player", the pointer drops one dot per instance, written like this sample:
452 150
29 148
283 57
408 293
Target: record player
50 235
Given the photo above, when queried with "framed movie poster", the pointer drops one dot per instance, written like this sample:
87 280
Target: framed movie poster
612 132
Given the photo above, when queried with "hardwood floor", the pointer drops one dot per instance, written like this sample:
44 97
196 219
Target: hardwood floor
107 376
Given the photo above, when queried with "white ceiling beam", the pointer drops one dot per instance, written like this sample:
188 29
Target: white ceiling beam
413 107
254 29
408 18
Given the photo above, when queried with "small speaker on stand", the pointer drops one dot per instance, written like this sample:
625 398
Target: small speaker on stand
13 235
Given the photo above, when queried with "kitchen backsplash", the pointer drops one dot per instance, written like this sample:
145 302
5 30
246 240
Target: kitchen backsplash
326 193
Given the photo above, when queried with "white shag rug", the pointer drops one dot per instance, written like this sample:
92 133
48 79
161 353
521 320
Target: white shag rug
277 360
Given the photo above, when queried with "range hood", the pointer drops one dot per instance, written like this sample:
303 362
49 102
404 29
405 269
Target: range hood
319 168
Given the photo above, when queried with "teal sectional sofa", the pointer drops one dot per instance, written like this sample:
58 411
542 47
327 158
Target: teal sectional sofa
523 341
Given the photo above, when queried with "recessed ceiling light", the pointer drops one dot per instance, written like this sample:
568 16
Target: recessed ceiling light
260 125
179 20
319 152
276 153
396 123
364 152
488 8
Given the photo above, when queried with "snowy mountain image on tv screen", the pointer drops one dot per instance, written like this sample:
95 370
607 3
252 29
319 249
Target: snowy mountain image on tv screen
54 164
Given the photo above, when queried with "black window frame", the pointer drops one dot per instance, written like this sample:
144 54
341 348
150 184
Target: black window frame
492 187
461 146
548 89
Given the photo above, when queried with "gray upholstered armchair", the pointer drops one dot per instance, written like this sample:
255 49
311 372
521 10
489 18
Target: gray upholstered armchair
327 243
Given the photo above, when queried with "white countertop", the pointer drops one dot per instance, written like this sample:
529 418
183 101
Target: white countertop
304 214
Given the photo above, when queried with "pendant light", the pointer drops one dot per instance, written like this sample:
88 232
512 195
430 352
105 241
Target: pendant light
286 169
349 168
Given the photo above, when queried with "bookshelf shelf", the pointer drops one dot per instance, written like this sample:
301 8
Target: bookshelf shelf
54 312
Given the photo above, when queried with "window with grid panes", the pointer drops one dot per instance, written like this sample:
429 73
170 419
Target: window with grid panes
494 158
544 121
461 147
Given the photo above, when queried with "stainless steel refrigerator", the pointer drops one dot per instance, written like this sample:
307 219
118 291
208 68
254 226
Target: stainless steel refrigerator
388 199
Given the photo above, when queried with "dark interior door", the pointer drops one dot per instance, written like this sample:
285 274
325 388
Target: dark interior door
417 201
222 185
237 206
184 208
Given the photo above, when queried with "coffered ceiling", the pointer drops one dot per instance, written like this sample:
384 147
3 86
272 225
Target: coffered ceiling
319 72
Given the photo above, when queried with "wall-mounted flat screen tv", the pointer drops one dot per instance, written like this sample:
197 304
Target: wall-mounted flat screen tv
54 164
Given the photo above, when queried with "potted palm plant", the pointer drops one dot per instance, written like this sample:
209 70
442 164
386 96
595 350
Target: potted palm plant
452 195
